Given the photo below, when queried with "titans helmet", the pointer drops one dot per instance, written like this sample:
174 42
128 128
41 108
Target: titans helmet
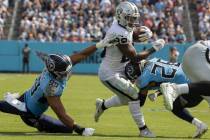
58 65
134 70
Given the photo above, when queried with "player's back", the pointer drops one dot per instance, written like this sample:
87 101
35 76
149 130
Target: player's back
45 85
158 71
114 60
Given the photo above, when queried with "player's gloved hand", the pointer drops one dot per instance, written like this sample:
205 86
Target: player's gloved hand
107 41
147 34
83 131
152 97
158 44
88 132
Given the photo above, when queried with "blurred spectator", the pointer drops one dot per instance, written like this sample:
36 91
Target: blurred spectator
26 56
88 20
65 20
203 10
4 14
173 55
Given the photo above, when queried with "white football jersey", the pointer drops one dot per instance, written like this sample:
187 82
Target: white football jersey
196 62
205 42
113 61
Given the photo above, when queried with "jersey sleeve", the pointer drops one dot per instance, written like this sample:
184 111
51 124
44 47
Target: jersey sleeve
52 88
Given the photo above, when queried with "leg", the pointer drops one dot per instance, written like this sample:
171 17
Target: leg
179 110
27 66
200 88
46 124
126 93
7 108
142 98
171 91
51 125
23 68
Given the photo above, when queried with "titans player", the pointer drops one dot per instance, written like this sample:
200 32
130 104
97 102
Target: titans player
149 74
46 91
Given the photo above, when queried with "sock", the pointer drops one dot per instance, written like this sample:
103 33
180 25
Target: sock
196 122
134 107
114 101
182 89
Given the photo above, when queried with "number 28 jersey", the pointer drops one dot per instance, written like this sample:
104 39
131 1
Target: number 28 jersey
158 71
45 85
114 61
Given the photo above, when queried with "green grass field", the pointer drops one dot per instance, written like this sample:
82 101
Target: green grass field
115 124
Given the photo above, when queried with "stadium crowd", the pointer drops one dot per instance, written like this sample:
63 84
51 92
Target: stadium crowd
203 11
4 14
88 20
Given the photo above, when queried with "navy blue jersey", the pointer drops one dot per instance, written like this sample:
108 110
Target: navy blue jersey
45 85
158 71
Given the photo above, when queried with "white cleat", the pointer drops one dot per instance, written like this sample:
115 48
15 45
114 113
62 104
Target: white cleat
201 130
88 132
99 110
169 94
147 133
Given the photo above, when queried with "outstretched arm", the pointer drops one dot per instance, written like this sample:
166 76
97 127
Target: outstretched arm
76 58
106 42
57 106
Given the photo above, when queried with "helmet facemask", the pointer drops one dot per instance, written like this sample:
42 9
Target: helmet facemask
64 75
132 21
127 15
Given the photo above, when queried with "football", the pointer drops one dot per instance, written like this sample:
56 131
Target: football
136 32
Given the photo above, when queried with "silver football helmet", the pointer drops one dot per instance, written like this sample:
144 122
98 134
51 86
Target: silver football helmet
127 15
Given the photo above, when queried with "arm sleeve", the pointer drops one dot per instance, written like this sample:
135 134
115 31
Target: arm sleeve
52 88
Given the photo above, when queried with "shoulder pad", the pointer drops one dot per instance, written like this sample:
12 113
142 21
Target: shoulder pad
132 71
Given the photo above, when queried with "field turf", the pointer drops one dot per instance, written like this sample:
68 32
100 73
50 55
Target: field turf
115 124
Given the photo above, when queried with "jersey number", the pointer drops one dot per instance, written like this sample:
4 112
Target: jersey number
163 73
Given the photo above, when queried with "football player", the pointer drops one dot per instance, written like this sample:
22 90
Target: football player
196 65
111 71
46 91
151 73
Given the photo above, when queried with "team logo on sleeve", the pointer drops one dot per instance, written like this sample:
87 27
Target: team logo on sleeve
52 88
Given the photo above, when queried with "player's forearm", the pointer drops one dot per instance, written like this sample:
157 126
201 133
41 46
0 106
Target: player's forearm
144 54
76 58
67 120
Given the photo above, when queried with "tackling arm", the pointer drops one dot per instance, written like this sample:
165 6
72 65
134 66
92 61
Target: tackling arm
106 42
57 106
76 58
